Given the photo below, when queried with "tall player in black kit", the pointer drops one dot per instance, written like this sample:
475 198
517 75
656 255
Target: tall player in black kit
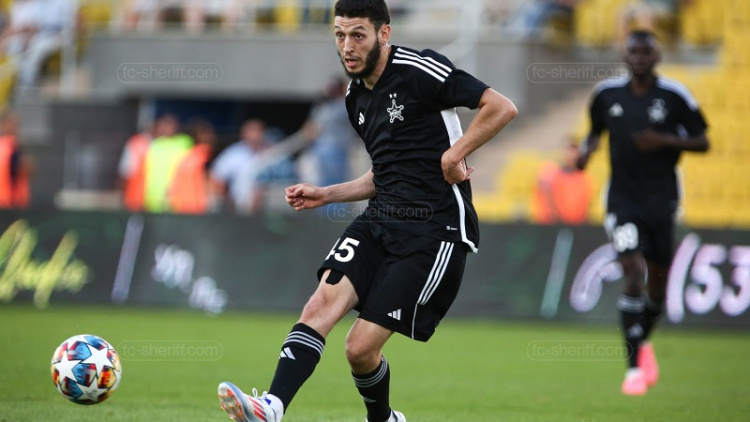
400 262
651 120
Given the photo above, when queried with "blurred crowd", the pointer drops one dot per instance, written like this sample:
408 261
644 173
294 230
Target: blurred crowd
227 15
34 31
164 168
177 166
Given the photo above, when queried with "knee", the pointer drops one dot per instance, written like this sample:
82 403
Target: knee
634 276
318 313
326 307
361 357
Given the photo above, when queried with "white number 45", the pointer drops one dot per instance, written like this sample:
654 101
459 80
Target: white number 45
347 246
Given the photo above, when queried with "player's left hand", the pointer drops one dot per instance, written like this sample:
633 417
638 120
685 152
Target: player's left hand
650 140
455 173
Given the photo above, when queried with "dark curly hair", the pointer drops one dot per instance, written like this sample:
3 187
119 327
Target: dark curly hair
374 10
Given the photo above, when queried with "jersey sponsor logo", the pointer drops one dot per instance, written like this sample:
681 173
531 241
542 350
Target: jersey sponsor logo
657 112
615 110
395 314
395 110
361 119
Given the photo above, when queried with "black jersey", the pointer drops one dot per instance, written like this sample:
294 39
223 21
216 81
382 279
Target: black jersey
407 121
643 181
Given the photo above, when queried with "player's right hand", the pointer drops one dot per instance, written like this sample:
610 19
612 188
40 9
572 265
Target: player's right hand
304 196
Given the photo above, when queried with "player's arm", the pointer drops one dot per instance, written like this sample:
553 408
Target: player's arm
588 147
306 196
592 141
651 140
689 115
495 112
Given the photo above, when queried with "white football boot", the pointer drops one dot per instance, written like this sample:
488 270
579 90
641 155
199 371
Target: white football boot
244 408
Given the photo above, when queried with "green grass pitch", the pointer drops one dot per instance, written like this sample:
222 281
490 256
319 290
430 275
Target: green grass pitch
470 371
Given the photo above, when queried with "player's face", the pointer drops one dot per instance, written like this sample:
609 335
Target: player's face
359 46
641 56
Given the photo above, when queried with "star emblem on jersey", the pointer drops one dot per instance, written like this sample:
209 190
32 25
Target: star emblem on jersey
615 110
657 112
395 110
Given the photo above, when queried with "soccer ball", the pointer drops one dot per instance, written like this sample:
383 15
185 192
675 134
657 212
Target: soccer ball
86 369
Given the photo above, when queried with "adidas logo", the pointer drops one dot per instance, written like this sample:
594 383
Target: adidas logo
361 119
395 314
287 353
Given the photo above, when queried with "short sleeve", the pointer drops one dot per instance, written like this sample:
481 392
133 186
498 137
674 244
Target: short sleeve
691 117
436 81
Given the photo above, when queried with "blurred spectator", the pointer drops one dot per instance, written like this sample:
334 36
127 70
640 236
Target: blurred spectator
562 193
235 174
189 192
202 14
153 14
20 26
317 11
164 155
130 168
15 167
334 137
532 17
38 28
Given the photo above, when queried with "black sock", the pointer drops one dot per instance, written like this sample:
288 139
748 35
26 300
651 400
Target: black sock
651 312
374 389
300 353
631 309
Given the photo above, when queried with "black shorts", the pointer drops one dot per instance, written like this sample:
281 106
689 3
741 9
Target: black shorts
405 282
650 234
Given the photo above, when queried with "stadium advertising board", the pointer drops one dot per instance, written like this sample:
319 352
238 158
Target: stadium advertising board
571 273
215 263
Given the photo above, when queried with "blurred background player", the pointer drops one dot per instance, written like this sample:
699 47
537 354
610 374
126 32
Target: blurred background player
651 120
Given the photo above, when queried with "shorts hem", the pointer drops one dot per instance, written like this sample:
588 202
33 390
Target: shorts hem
394 325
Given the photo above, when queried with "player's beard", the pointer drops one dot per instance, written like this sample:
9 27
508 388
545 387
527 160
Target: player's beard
371 62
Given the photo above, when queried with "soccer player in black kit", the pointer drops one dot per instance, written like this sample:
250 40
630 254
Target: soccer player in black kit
400 262
651 120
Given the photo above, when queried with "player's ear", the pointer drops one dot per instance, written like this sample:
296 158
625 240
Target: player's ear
384 34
